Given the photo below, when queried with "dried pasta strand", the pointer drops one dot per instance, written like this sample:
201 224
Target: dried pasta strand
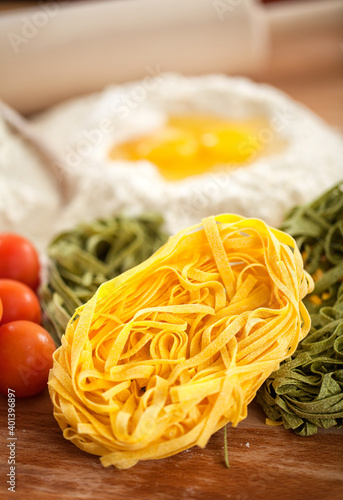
93 252
306 392
172 350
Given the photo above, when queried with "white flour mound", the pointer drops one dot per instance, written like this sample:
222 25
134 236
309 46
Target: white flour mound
82 131
30 202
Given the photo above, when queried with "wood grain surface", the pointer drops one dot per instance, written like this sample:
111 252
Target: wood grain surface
266 462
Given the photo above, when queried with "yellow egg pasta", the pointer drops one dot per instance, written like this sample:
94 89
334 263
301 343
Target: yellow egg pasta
169 352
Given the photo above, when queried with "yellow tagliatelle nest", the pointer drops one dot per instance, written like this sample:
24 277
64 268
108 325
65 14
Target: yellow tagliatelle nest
169 352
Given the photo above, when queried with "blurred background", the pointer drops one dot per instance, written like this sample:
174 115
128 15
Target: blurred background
51 51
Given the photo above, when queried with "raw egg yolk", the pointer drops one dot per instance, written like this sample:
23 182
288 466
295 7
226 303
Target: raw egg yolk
192 145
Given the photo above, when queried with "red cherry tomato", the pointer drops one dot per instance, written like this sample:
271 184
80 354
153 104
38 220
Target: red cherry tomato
19 260
18 302
25 358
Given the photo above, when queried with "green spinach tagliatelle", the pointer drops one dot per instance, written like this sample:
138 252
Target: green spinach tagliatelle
306 393
82 259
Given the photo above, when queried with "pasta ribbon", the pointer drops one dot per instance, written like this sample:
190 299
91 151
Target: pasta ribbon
93 252
306 392
164 355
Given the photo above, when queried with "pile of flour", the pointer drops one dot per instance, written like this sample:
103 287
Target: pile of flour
81 133
30 201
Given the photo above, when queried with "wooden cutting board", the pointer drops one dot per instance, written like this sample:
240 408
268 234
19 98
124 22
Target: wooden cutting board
265 463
